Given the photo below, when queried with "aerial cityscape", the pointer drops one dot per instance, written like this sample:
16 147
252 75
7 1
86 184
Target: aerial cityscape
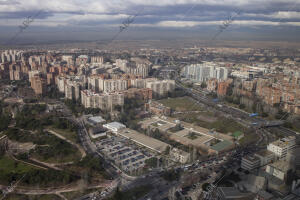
160 100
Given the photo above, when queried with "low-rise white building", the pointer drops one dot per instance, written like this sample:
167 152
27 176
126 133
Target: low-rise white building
250 162
96 120
114 126
282 146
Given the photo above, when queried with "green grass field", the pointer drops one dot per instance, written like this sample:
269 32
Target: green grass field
70 135
46 154
248 139
132 194
181 104
221 124
8 165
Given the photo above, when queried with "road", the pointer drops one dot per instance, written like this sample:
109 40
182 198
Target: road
234 113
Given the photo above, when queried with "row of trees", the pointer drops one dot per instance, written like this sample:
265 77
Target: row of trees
5 117
40 178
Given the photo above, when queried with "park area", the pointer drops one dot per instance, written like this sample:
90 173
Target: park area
181 104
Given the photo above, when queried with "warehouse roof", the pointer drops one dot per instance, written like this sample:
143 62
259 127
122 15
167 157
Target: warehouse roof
144 140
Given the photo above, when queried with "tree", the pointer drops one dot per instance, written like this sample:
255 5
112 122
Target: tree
205 186
152 162
203 85
242 106
167 151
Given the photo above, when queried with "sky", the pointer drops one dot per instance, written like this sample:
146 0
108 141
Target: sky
64 20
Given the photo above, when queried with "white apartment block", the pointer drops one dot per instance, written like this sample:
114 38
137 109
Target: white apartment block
112 85
122 64
161 88
139 69
68 58
282 146
141 83
103 101
72 90
60 82
97 59
70 86
99 84
205 71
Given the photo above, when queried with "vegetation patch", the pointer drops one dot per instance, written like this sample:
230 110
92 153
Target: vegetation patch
222 125
76 194
32 197
11 170
181 104
50 148
132 194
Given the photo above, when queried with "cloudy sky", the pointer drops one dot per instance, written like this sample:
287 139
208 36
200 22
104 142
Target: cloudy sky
155 19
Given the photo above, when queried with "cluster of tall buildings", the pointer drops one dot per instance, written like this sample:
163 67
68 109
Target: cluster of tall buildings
104 92
205 71
10 56
135 66
86 79
280 90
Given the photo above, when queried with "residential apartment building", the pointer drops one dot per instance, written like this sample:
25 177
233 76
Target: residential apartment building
137 67
250 162
72 90
278 169
212 85
15 73
222 88
138 93
282 146
112 85
97 59
102 83
104 101
161 88
38 84
205 71
257 160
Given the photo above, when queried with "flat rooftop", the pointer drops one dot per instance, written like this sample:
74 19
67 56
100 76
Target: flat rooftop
284 141
251 158
183 137
144 140
116 125
97 119
264 153
281 165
